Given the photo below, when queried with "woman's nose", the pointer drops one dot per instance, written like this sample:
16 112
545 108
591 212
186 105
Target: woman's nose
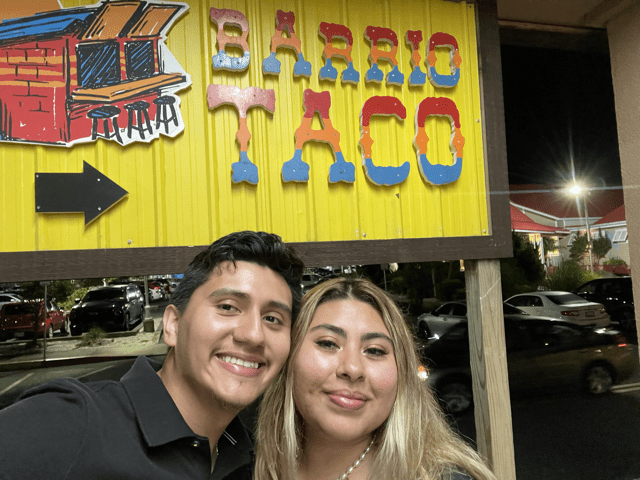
351 366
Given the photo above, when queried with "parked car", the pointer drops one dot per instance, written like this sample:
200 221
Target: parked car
163 283
115 306
616 295
18 320
155 294
541 354
159 288
9 298
434 324
565 306
309 280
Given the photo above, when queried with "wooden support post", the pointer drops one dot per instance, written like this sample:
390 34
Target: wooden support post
494 434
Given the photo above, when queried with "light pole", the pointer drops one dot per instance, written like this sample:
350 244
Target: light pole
577 190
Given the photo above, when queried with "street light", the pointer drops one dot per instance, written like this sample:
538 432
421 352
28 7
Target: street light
577 191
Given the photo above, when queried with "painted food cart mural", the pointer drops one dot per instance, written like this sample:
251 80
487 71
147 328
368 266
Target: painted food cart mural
101 71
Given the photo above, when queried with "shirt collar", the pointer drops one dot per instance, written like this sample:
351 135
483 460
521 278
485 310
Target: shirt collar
158 416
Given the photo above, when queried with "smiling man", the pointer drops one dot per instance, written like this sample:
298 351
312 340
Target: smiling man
228 327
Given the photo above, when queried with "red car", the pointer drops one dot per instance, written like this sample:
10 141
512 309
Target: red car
17 320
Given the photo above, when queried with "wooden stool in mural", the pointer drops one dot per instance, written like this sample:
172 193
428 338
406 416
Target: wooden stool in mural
140 108
105 113
161 111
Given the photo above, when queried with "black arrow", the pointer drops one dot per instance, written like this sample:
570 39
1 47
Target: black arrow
90 192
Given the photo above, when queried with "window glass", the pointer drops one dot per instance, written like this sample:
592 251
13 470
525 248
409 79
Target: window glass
536 302
443 309
588 288
459 310
519 301
98 64
139 59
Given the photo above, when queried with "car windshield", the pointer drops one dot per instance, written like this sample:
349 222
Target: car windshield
104 294
566 298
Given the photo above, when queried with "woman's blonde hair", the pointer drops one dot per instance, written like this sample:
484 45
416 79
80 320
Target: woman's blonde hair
415 443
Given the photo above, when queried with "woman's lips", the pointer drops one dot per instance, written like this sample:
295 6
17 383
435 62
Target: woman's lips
346 400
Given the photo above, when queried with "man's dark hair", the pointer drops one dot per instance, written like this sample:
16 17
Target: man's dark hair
265 249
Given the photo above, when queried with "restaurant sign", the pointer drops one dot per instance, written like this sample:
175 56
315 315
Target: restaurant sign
189 121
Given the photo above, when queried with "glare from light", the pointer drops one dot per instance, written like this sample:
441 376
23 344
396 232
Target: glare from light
575 189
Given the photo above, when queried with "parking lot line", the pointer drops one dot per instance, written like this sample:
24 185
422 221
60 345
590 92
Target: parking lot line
629 387
17 382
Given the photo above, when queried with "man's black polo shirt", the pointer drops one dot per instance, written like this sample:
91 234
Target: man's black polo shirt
129 429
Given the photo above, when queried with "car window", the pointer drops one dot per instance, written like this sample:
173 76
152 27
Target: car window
590 287
566 298
103 294
611 288
535 301
459 310
519 301
443 309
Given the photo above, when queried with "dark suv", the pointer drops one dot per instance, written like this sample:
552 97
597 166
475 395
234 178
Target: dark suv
616 295
115 306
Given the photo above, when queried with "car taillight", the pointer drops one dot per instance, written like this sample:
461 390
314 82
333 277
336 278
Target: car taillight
603 311
570 313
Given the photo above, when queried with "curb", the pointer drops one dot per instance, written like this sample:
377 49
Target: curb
61 362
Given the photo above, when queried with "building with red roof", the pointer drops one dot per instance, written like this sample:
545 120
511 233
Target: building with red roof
538 211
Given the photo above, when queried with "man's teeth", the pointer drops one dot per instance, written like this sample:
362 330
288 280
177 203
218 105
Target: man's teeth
242 363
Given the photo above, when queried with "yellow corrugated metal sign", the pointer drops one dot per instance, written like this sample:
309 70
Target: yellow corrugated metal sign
190 180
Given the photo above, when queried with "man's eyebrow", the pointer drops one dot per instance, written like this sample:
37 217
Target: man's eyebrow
332 328
221 292
225 291
282 306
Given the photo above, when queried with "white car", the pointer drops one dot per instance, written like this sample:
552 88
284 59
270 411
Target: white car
9 298
432 325
565 306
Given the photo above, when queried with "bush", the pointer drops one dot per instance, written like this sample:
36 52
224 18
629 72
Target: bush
93 337
615 262
523 272
568 277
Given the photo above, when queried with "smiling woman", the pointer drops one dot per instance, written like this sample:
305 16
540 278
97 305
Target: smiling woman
350 404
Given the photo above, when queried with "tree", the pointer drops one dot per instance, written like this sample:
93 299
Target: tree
578 247
601 247
550 245
524 271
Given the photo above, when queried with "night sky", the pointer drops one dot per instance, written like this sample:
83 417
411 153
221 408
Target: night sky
559 105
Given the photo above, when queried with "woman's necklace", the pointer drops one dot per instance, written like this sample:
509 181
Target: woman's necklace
345 475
